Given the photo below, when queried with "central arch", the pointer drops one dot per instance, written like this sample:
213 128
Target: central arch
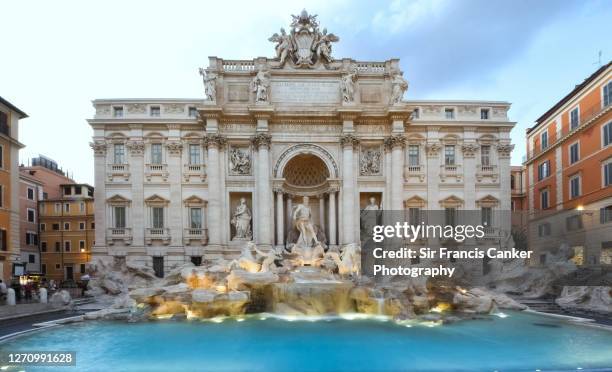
306 149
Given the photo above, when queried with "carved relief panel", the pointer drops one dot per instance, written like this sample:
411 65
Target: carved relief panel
370 160
240 160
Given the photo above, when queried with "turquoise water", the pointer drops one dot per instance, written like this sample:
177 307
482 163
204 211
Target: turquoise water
518 342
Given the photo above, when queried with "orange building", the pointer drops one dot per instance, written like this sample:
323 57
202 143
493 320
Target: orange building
67 232
10 256
569 173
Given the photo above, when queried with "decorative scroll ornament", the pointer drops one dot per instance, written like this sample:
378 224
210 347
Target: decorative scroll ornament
505 150
305 45
210 84
349 140
214 140
174 147
469 150
395 141
370 164
433 149
240 161
261 139
99 147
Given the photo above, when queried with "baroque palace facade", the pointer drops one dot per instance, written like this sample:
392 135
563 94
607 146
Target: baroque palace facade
191 179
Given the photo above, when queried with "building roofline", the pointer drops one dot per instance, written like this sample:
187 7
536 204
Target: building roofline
22 115
569 96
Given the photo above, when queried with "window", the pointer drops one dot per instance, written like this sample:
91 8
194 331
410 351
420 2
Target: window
512 182
45 197
485 155
1 195
3 240
607 94
416 113
67 190
57 208
31 215
194 154
67 246
30 193
81 244
158 217
55 226
605 214
77 190
449 155
43 268
66 225
43 246
82 268
543 170
119 153
119 217
486 216
574 118
118 111
31 238
449 113
544 229
193 112
1 156
607 134
607 173
574 222
413 155
196 260
58 246
67 208
414 216
544 140
57 266
31 258
450 216
544 202
93 225
195 218
574 152
155 111
156 153
82 207
574 185
81 225
43 226
484 114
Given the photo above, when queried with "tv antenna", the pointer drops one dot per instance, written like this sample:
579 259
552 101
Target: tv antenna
598 63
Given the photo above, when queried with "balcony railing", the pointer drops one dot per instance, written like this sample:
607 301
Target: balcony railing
450 170
191 234
585 117
156 170
486 171
414 171
119 233
195 170
157 233
118 170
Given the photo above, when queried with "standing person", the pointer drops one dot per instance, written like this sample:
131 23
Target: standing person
3 290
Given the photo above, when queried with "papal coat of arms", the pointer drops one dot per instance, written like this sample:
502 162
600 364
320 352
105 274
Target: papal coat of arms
305 45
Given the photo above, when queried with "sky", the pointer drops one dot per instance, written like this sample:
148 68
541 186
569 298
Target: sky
57 56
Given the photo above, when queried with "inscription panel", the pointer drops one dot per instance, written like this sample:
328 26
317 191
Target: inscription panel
371 93
238 93
303 91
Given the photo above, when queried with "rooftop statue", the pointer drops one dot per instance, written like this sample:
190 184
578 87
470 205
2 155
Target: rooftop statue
305 45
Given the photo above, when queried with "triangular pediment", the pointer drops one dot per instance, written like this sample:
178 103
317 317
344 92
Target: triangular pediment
194 200
156 199
118 199
415 202
487 201
451 201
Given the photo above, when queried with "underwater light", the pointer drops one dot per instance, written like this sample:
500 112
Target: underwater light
4 368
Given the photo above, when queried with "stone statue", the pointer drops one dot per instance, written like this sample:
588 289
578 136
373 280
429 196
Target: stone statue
399 87
302 220
373 206
284 45
246 261
349 261
210 84
323 46
242 221
347 85
240 162
305 45
370 162
369 218
260 86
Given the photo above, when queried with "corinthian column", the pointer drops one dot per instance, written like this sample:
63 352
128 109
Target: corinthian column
261 142
175 220
214 142
136 148
280 218
396 145
348 142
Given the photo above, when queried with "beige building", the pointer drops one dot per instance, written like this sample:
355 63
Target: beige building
30 193
187 179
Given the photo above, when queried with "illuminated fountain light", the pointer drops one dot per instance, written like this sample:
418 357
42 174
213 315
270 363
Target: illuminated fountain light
441 307
163 316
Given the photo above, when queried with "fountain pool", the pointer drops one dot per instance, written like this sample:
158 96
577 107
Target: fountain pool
520 341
